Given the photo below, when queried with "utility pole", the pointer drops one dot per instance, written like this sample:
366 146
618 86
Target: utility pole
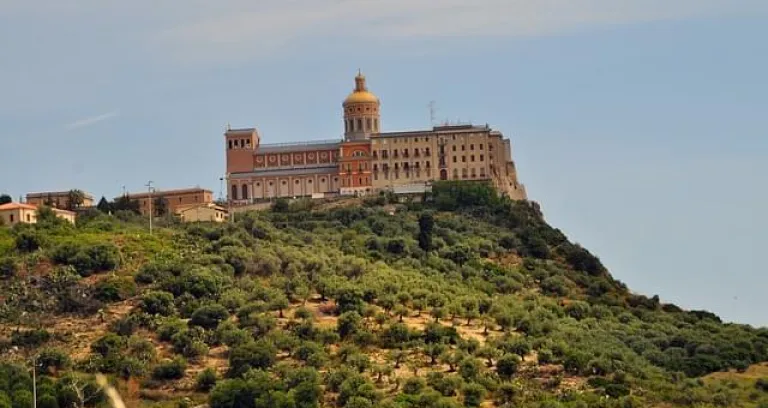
34 382
149 190
229 203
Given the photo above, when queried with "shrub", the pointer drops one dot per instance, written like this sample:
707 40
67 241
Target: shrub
170 370
87 260
51 360
209 316
7 268
473 394
114 289
30 338
206 380
28 240
259 355
413 385
157 303
507 365
762 384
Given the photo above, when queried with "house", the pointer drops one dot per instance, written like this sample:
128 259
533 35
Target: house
60 199
16 213
172 200
203 212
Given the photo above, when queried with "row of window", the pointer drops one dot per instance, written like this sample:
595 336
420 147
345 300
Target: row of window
362 166
405 166
347 182
471 158
244 188
472 147
406 173
356 125
239 143
12 218
405 153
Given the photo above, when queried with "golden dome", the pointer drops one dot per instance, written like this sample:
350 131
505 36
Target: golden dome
360 97
361 93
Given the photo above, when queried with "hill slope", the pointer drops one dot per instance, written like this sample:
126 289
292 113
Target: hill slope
466 299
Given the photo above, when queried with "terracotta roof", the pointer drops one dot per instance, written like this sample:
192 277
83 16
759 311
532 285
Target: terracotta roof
17 206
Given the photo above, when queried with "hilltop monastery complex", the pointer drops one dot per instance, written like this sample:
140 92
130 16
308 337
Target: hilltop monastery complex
367 160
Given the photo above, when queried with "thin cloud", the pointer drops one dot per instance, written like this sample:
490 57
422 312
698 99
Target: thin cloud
81 123
246 30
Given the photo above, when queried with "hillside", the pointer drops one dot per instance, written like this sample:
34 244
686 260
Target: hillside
462 300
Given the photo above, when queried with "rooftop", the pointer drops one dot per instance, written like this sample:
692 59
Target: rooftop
17 206
308 145
170 192
55 194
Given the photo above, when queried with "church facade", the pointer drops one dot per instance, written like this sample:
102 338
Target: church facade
367 160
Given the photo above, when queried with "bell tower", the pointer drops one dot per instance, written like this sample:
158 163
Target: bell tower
361 112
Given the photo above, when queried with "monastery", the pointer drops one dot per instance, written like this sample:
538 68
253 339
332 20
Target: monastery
367 160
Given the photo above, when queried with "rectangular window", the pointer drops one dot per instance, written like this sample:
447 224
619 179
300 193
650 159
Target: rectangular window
454 159
463 148
471 147
481 146
481 157
454 148
11 217
230 145
472 158
463 159
29 218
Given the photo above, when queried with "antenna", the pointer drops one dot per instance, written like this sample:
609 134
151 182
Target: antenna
432 112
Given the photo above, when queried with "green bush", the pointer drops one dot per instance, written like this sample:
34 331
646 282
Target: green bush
114 289
206 380
8 268
209 316
28 240
170 370
87 260
158 303
52 360
30 338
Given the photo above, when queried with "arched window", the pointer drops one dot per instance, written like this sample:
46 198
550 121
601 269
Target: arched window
346 126
245 191
375 125
234 192
359 125
369 125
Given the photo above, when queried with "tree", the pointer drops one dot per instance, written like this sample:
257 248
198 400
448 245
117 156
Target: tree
160 206
75 199
104 206
507 365
426 224
5 199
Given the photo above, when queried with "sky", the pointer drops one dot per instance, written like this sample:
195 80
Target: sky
640 126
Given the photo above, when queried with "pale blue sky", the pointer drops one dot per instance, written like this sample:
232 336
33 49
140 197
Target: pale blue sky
639 125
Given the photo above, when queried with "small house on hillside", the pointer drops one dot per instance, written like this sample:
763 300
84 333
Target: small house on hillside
16 213
203 212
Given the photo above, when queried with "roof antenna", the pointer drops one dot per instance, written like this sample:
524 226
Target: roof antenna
432 113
